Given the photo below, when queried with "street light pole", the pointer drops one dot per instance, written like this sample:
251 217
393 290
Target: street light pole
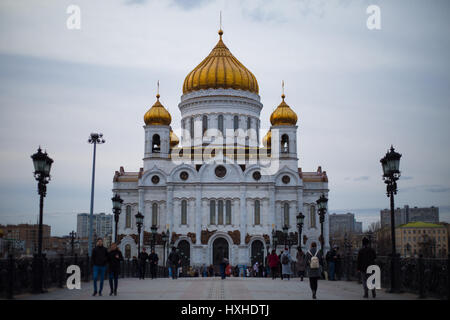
391 164
42 166
322 204
117 208
95 138
300 219
72 241
139 222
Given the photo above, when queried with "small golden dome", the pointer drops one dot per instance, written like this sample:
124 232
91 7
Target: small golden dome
283 115
267 140
174 141
157 115
220 69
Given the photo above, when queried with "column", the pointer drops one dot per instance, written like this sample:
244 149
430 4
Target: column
198 214
169 213
272 212
243 222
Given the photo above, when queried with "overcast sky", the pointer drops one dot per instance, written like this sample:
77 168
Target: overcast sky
356 91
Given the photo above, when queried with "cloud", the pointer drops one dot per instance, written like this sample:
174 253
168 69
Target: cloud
362 178
406 178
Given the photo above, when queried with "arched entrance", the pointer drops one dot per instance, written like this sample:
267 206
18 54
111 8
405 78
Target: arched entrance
185 253
220 251
257 252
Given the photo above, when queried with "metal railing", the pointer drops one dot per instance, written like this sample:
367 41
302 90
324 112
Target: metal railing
422 276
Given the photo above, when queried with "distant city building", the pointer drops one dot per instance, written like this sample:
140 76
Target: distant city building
102 225
24 237
428 239
344 223
406 214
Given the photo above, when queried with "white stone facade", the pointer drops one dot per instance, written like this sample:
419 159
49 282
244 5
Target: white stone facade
184 206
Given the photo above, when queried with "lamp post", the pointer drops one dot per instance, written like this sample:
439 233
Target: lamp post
285 233
117 208
322 205
42 165
154 229
72 241
390 164
94 138
300 219
164 238
139 222
274 240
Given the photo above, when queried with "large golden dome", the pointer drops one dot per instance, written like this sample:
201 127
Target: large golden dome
267 140
157 115
283 115
220 69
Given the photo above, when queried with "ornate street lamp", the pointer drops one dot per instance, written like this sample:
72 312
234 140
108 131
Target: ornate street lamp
165 239
42 165
274 239
94 138
117 208
139 222
300 219
322 205
154 229
390 164
72 241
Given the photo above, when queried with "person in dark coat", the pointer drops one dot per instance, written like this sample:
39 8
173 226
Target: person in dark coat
143 257
313 271
301 263
99 260
331 259
279 264
366 258
175 261
273 262
114 258
153 259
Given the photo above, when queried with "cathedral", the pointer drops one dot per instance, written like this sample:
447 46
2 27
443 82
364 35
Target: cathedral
220 190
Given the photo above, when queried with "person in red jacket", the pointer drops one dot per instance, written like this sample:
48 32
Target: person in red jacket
273 261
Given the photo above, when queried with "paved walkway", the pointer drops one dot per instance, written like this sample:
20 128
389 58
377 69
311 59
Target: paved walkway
217 289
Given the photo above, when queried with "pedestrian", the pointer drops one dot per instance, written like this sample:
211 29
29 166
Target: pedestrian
338 265
286 260
175 261
153 260
143 257
99 260
331 258
211 270
279 264
114 258
135 267
228 270
314 267
222 268
273 261
301 263
256 269
366 258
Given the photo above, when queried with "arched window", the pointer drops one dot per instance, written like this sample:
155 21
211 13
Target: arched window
128 217
154 214
183 212
156 143
220 123
249 123
220 212
286 214
127 251
204 124
257 132
212 212
236 122
228 212
285 143
191 127
257 212
312 216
